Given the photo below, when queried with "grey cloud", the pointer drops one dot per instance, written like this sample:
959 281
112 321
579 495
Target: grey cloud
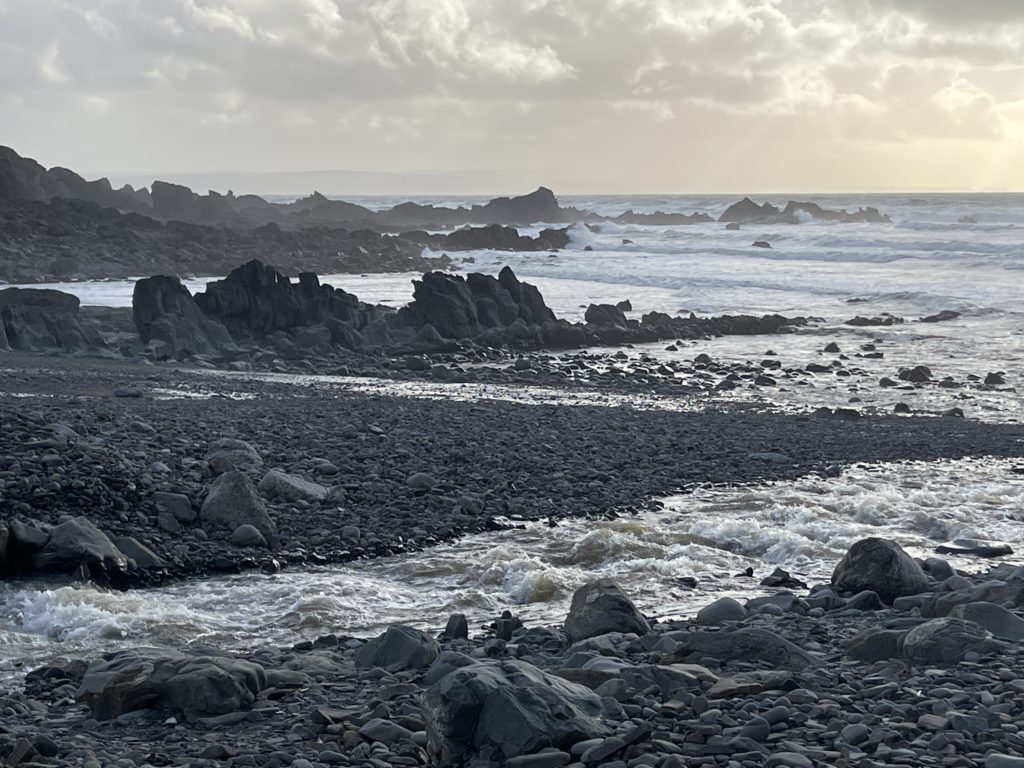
423 84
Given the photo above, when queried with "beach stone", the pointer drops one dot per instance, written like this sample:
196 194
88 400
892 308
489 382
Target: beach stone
143 556
398 648
996 760
976 547
457 627
178 504
879 565
788 760
722 610
865 601
446 662
996 619
234 453
552 758
233 501
504 709
601 607
76 542
420 481
938 568
875 644
946 641
384 731
247 536
285 487
152 678
745 644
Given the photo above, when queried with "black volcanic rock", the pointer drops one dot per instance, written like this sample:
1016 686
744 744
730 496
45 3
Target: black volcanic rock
37 320
746 211
659 218
22 178
164 310
256 300
492 236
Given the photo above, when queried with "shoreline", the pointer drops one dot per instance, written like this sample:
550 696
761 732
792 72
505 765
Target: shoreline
484 463
795 679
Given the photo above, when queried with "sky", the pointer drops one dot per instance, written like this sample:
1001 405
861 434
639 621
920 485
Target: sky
584 96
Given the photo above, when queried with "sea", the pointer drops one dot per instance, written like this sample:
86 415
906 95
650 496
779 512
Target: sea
958 252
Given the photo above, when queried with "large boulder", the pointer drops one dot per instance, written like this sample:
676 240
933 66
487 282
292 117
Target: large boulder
150 678
879 565
946 641
233 501
495 711
601 607
398 648
79 542
164 310
281 485
41 320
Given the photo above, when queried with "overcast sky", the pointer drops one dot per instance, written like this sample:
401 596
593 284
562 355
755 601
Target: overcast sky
583 95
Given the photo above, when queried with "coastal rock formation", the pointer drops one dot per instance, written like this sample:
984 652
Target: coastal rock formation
40 320
462 308
746 211
501 710
256 300
164 311
881 566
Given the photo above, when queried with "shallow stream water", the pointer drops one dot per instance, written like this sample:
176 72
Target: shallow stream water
712 535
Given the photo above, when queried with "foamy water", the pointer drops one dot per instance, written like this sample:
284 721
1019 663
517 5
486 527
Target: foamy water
804 526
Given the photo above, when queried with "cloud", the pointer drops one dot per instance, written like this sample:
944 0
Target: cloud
391 84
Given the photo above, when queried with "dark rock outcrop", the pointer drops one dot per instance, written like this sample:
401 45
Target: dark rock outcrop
39 320
746 211
256 300
164 311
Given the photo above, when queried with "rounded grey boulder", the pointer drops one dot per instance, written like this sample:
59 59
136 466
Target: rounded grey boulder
722 610
946 641
398 648
600 607
495 711
879 565
247 536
